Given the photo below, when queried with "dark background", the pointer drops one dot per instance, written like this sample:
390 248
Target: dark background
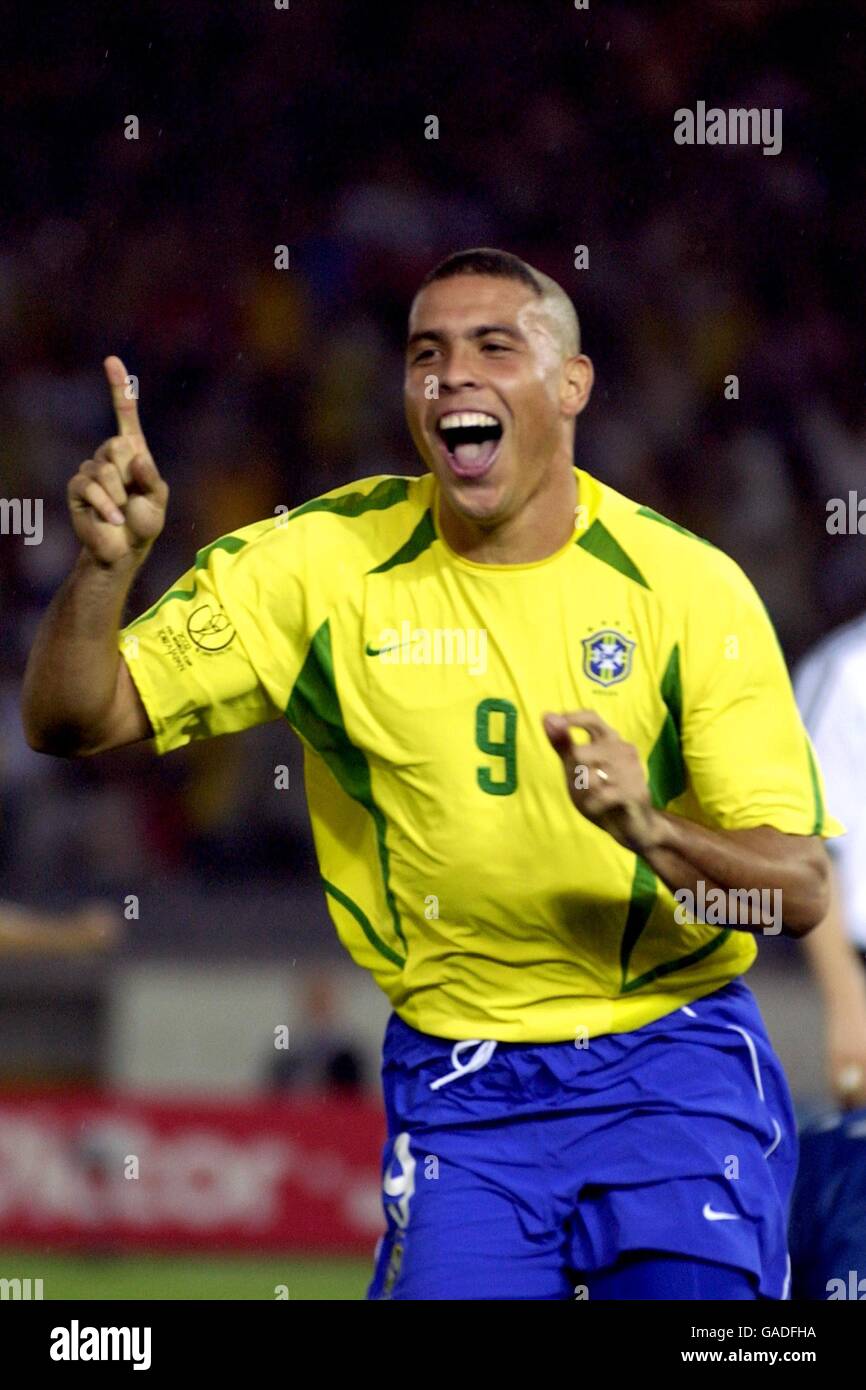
261 388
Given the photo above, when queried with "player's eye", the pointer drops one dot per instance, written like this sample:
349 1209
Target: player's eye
495 347
423 355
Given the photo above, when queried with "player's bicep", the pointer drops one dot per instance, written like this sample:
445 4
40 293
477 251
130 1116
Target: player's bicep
127 720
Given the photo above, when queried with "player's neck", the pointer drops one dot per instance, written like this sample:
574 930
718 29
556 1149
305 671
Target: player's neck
541 527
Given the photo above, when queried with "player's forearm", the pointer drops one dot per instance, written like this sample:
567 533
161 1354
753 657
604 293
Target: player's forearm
691 857
71 676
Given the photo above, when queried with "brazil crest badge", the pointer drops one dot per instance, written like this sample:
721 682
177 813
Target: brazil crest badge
607 656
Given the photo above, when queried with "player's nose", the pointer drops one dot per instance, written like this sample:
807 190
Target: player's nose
458 371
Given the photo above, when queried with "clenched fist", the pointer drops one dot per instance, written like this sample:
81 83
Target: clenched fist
117 499
605 779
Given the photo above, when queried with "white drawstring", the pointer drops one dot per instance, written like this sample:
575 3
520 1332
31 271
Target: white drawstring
479 1059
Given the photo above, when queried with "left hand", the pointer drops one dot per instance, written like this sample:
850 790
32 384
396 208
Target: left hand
605 779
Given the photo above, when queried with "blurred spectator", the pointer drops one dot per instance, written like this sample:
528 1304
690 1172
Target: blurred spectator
94 927
325 1058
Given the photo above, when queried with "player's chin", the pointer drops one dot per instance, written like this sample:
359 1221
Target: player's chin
477 499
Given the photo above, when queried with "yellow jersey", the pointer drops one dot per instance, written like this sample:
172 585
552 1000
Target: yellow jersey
456 868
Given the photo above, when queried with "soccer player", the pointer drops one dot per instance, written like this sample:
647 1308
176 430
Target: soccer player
532 711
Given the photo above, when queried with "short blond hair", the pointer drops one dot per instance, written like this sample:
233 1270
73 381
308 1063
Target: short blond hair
486 260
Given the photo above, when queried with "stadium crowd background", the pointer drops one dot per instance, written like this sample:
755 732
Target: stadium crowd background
262 387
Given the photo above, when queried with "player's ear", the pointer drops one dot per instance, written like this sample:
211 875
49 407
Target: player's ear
578 375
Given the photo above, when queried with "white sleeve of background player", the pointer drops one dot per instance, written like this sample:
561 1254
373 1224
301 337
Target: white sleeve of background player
833 705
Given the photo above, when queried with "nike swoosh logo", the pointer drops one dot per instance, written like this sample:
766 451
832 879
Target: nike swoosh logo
711 1215
377 651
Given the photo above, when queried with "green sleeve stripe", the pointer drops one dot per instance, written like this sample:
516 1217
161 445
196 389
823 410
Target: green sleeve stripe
600 543
385 494
669 967
666 521
818 826
420 540
667 780
644 890
230 543
363 922
665 765
314 710
184 594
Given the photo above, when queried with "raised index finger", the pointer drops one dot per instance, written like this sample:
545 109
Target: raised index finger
125 404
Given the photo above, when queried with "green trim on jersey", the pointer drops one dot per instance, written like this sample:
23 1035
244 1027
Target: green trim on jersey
314 711
818 827
667 780
230 543
644 890
420 540
674 525
643 898
363 922
669 967
600 543
667 772
384 495
202 559
184 594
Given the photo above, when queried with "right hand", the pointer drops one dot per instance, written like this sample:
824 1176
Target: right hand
117 499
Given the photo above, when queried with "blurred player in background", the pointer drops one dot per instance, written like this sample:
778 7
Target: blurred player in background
579 1088
830 685
24 931
328 1059
829 1210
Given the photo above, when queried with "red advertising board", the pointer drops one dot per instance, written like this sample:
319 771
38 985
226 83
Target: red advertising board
178 1174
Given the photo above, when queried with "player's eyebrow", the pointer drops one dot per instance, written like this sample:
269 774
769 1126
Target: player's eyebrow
481 331
506 328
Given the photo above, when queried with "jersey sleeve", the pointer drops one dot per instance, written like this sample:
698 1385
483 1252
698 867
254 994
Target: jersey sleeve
833 711
749 758
219 650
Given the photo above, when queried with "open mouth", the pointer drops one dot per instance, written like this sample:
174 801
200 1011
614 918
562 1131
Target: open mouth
471 441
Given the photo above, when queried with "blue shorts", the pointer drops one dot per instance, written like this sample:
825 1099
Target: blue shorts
515 1171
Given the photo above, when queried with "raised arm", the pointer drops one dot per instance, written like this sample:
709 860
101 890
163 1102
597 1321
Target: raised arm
78 695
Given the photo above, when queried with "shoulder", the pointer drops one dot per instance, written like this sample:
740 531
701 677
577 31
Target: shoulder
353 528
681 567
